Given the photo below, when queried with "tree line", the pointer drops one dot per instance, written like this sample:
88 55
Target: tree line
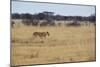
51 16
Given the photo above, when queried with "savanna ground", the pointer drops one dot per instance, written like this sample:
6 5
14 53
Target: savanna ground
65 44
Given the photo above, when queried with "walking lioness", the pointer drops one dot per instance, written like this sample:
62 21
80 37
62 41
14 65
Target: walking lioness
41 34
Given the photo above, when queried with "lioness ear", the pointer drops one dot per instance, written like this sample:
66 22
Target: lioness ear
47 32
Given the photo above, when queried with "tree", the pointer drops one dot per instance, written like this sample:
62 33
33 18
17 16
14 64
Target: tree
41 16
15 16
92 17
26 19
26 16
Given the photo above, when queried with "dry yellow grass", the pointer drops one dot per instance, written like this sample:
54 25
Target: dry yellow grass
65 44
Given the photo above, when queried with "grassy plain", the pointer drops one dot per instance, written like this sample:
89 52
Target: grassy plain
65 44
